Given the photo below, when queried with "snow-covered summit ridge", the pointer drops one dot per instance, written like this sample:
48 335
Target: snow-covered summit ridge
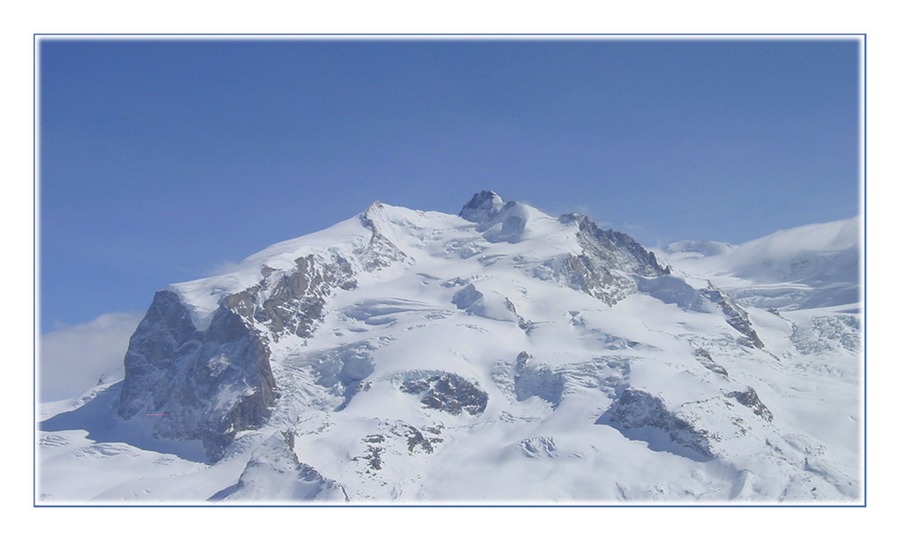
383 234
510 221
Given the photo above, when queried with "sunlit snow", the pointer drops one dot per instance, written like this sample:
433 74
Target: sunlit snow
473 369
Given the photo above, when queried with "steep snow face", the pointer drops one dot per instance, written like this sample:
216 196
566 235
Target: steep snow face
501 355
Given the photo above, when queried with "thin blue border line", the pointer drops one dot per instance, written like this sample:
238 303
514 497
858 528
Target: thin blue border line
34 274
865 273
860 36
406 35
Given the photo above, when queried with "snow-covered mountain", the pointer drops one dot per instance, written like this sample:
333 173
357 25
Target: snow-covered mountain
501 355
806 267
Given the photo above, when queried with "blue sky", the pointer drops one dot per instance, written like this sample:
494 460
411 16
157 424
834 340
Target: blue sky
160 160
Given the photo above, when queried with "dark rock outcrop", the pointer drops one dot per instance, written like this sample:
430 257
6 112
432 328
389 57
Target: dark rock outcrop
750 399
209 384
292 302
197 385
608 261
641 416
379 252
734 315
447 392
706 360
483 207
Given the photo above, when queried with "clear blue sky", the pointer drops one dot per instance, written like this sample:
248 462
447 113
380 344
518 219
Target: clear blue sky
161 160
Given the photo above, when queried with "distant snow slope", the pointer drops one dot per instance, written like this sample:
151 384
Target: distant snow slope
498 356
805 267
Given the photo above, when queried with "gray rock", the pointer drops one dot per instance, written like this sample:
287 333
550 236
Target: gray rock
706 360
446 392
734 314
197 385
292 302
466 297
641 416
608 262
483 207
380 252
750 399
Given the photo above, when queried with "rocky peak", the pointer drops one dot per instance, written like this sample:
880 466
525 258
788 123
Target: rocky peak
608 263
380 251
483 207
372 214
636 258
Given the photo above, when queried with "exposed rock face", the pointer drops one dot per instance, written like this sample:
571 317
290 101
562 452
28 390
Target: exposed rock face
152 351
707 361
750 399
734 314
446 392
416 440
642 416
483 206
380 252
202 385
608 259
292 302
209 384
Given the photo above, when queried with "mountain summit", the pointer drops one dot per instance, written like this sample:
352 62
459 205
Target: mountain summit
482 207
498 355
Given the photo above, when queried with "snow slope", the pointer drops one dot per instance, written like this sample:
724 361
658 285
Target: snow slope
805 267
499 356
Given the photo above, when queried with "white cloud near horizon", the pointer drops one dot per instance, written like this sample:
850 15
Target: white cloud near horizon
74 359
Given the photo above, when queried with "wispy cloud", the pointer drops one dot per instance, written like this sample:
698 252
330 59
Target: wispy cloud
73 359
